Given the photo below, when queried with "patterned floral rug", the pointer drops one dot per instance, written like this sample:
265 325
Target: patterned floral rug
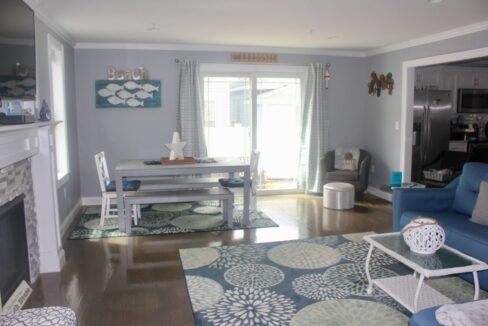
319 281
204 216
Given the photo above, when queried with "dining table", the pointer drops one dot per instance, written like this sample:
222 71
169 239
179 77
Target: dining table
144 169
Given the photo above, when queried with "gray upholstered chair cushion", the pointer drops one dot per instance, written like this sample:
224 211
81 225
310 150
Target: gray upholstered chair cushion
342 175
48 316
358 178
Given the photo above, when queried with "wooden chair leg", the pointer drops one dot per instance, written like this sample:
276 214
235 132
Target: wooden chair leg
103 211
230 212
136 213
253 209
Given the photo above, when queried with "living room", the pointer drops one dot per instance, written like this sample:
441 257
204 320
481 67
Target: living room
94 37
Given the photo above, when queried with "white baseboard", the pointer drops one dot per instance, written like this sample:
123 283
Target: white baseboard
91 201
70 217
379 193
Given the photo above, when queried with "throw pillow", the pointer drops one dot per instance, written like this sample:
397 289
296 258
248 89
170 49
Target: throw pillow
345 157
480 212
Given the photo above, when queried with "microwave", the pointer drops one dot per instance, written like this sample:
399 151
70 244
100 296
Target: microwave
472 100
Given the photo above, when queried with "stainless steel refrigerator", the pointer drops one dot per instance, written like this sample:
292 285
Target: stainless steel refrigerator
432 113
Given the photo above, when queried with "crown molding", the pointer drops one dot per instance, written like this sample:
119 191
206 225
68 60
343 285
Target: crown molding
44 17
465 30
216 48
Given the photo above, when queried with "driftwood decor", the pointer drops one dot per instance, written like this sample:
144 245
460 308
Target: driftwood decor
378 84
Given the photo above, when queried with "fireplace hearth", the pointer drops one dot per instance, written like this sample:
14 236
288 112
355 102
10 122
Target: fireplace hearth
14 256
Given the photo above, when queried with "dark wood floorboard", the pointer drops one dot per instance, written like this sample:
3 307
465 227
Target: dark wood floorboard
139 280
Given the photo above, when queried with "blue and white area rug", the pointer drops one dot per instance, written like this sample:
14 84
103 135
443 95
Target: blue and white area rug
204 216
319 281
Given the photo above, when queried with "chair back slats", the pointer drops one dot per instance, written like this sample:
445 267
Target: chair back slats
254 170
102 170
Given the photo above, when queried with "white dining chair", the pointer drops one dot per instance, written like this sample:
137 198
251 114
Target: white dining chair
234 184
109 195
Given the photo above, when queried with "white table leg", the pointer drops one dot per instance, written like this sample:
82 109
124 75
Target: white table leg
247 195
476 286
120 203
417 293
368 259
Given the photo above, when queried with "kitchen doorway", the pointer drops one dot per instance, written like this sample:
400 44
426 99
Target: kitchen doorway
408 87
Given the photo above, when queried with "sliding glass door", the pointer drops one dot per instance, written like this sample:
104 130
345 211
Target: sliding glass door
228 116
245 111
278 131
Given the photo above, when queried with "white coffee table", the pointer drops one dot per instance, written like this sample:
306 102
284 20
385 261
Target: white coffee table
410 290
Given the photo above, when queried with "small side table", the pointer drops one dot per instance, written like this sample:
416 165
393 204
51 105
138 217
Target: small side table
389 189
410 290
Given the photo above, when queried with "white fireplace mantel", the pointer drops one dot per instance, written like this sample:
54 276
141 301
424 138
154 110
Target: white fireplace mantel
36 141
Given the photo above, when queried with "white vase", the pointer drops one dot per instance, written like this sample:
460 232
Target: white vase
424 235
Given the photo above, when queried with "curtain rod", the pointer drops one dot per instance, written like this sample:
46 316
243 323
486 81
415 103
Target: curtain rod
177 60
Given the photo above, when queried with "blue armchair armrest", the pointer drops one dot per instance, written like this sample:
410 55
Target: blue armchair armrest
425 199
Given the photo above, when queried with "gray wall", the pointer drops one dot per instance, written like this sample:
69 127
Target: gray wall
382 140
141 133
72 186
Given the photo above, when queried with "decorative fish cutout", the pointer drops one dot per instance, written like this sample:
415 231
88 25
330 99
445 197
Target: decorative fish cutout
115 100
16 91
133 102
9 84
125 94
114 87
150 88
132 85
105 92
31 92
28 82
143 94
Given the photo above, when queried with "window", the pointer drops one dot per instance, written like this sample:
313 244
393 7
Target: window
58 104
256 107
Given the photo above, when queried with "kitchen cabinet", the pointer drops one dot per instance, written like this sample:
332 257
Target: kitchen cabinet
428 77
451 78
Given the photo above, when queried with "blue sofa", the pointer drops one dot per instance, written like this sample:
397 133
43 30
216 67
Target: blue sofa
452 207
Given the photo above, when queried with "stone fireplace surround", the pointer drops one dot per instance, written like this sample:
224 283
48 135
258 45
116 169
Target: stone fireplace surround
16 179
27 166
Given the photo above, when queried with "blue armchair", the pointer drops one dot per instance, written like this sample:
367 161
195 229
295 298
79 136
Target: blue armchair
452 206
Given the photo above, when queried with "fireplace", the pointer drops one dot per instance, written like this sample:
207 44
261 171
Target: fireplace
14 257
28 168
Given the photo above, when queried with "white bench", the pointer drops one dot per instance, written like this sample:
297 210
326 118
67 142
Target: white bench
178 183
178 196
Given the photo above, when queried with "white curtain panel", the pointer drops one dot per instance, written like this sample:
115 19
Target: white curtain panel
314 130
190 110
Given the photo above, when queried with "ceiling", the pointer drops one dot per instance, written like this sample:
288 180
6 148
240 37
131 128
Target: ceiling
355 25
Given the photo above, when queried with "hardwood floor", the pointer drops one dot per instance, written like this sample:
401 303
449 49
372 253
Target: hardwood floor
139 280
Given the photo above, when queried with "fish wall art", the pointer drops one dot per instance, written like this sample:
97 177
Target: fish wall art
18 87
135 94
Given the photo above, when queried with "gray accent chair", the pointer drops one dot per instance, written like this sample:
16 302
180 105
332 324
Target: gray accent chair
358 178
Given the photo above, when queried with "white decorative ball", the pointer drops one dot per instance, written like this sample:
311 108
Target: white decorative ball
424 235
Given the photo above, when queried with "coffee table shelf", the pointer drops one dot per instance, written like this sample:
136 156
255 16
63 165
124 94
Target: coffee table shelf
402 289
410 290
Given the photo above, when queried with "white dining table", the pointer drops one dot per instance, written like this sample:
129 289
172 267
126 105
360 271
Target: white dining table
134 169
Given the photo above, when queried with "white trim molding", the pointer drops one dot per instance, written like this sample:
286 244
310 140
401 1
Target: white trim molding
465 30
379 193
91 201
408 80
51 23
70 217
217 48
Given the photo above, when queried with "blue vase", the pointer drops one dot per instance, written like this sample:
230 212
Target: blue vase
44 113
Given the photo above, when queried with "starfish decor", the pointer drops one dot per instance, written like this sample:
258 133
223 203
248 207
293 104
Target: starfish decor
176 147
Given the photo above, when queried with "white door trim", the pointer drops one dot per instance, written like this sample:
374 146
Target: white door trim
408 80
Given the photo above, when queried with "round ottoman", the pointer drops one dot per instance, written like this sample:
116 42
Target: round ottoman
339 195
